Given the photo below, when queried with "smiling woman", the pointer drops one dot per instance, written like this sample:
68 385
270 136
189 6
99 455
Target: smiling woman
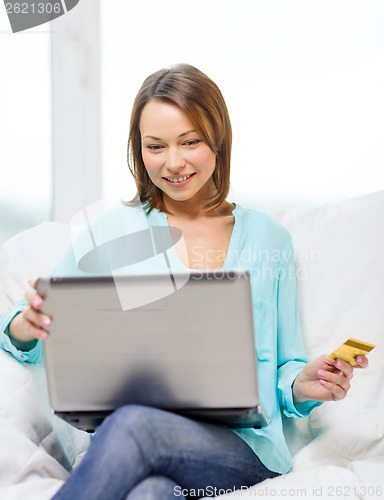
179 158
180 142
197 138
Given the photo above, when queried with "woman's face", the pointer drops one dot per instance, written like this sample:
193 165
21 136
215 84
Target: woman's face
176 158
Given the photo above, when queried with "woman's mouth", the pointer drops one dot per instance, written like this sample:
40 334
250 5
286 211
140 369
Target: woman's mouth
179 181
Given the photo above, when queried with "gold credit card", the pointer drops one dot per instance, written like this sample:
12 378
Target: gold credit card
350 350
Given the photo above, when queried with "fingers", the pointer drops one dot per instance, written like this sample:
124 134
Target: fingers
335 375
324 379
347 368
34 299
336 378
361 362
336 383
32 312
337 393
344 367
31 324
36 318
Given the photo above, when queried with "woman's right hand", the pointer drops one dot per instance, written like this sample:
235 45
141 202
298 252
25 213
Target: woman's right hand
30 324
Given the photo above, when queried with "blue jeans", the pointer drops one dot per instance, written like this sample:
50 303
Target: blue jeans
142 453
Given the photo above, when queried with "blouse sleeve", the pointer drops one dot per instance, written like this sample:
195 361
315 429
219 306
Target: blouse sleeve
33 355
291 356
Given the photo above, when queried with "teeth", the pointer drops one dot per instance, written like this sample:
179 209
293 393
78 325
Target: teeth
179 179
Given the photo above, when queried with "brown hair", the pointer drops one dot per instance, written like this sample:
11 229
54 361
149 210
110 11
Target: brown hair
201 100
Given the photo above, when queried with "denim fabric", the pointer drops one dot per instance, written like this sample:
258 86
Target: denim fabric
146 453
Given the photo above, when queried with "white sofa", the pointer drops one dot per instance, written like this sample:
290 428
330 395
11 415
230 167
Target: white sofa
337 452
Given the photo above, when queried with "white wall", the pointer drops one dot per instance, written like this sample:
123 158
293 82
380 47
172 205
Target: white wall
303 80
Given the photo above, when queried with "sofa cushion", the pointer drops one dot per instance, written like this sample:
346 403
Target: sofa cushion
339 250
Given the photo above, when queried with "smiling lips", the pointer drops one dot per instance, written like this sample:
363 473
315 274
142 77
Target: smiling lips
178 180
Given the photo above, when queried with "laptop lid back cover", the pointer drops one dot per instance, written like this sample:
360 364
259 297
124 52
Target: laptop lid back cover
193 348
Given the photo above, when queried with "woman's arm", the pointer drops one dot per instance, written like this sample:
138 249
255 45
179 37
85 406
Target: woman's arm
291 355
319 380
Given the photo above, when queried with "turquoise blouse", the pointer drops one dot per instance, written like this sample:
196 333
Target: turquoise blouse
264 248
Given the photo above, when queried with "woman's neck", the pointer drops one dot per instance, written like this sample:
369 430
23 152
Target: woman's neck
195 207
189 210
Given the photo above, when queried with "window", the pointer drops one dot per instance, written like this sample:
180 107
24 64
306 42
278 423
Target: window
25 128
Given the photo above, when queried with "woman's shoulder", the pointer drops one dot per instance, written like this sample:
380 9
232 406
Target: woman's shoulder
120 217
91 233
260 225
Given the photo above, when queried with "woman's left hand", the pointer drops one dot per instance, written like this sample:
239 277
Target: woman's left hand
324 379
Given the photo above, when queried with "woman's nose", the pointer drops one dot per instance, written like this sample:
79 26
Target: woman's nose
175 160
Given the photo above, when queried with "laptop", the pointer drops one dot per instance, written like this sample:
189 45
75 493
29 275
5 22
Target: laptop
184 344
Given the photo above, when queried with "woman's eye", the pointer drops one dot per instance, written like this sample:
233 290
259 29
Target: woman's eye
192 142
154 147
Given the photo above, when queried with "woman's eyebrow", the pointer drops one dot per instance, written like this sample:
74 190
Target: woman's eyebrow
186 133
158 138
